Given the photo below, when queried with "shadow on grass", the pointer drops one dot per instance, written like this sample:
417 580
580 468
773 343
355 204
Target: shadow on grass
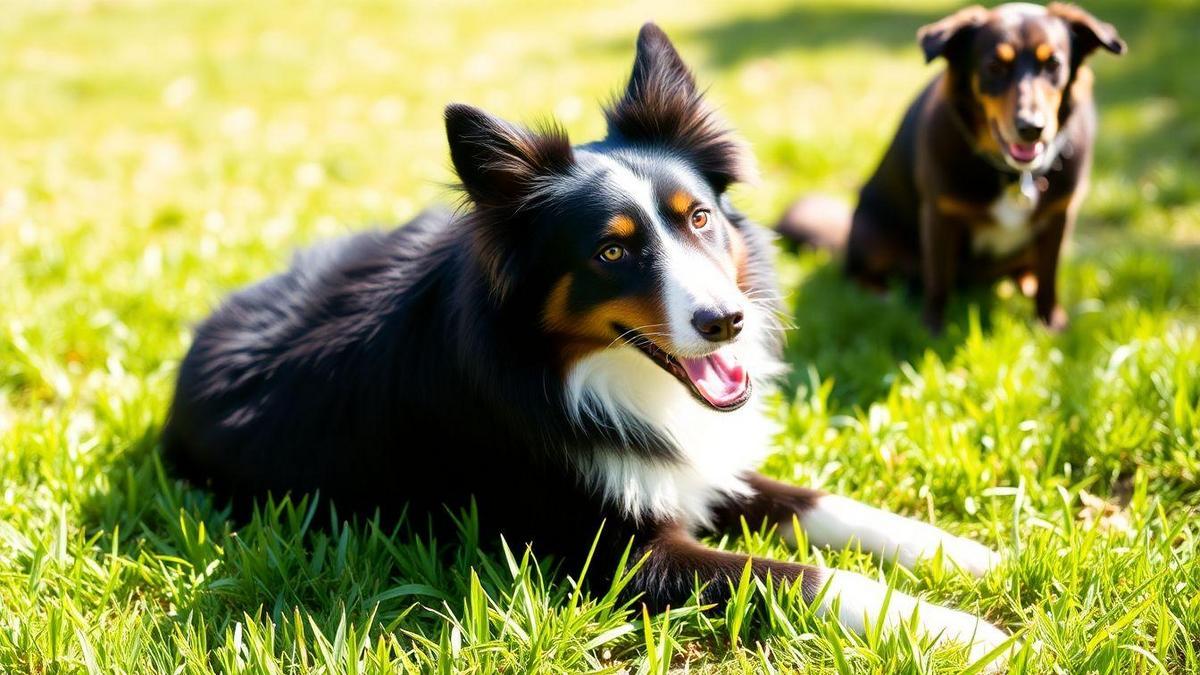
810 28
859 339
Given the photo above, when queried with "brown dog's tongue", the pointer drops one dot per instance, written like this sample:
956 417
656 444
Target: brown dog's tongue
1025 152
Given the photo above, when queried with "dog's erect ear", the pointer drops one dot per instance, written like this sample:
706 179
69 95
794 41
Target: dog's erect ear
662 106
1087 32
946 36
500 164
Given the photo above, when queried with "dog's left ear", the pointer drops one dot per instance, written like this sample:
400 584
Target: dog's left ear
944 36
662 106
1087 32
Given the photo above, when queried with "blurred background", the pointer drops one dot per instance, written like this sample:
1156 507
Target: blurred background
155 155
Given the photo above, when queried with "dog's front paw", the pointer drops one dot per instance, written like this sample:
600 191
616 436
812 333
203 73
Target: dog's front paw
1055 319
861 602
971 556
986 639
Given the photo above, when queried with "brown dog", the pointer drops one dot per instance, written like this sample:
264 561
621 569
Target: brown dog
990 163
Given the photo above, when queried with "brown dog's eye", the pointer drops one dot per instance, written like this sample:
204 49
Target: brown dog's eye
1052 64
613 253
996 68
700 219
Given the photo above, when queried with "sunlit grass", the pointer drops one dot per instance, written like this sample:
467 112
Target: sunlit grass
158 154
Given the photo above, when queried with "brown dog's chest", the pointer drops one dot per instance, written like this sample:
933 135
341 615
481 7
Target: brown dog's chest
1005 226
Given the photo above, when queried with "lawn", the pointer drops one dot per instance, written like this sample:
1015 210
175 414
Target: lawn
157 155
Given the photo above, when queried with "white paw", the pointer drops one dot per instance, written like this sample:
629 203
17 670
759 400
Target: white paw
859 602
971 556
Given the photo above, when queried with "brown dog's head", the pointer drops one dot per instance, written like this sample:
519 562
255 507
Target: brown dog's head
1015 63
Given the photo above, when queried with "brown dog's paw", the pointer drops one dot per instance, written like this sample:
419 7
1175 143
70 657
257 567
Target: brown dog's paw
1056 321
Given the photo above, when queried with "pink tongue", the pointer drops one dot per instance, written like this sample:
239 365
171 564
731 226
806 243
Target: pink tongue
1024 152
721 380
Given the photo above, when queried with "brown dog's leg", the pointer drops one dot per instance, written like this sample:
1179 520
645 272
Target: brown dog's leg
1049 247
941 235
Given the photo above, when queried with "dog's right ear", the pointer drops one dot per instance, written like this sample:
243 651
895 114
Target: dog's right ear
663 106
944 37
501 164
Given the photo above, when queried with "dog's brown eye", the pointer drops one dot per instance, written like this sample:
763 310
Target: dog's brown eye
612 253
700 219
1052 64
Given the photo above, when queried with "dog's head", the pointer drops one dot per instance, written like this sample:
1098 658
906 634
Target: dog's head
625 246
1017 62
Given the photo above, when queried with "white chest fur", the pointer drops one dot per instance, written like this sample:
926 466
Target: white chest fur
716 449
1010 228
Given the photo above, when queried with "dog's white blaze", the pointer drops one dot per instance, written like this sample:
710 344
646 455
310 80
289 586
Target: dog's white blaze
837 522
858 602
692 281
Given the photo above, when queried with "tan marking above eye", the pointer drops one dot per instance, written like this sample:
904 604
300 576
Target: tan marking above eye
621 226
700 219
680 203
1044 52
1005 52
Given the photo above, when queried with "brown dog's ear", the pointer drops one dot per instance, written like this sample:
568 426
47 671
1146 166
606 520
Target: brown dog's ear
1087 32
942 37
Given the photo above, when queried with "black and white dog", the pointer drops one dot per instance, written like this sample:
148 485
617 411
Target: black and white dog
590 341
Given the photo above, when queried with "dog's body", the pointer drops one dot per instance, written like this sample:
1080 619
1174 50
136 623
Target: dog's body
590 343
989 165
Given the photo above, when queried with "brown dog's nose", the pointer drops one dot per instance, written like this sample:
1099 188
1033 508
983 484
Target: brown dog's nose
1030 128
718 325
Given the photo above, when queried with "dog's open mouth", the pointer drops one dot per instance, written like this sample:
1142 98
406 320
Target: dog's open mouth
1024 154
717 379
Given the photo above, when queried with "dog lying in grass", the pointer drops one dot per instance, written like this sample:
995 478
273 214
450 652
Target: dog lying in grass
989 166
589 341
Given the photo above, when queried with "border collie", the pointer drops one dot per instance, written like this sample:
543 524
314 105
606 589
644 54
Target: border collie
589 341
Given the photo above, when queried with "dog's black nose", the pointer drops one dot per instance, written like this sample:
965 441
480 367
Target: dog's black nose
1030 128
718 325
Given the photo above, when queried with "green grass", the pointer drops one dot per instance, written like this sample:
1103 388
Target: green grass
156 155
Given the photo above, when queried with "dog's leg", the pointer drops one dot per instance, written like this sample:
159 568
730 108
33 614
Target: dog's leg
675 562
941 235
1049 245
831 520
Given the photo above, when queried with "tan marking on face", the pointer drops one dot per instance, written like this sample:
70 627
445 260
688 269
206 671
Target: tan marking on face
579 334
1005 52
1044 52
621 226
994 108
555 313
680 203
